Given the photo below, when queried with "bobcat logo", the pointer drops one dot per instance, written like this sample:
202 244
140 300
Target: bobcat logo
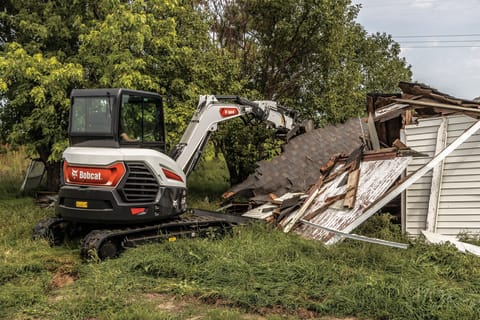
74 173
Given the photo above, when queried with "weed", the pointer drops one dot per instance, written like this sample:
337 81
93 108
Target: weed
256 269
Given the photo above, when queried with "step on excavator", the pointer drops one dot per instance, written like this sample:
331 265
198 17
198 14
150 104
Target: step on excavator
119 187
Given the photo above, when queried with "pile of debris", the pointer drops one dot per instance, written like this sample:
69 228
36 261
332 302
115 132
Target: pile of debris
340 199
421 158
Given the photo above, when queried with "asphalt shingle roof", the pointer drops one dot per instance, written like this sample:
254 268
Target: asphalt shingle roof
298 166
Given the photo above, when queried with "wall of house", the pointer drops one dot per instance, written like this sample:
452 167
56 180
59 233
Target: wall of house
459 197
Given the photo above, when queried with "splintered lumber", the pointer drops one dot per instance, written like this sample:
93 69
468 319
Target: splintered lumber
375 179
389 112
328 202
292 220
372 132
350 197
438 105
273 196
262 212
287 202
354 159
325 169
266 210
408 117
285 212
380 154
383 153
399 144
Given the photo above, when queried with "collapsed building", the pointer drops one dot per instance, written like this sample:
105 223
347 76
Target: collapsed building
416 155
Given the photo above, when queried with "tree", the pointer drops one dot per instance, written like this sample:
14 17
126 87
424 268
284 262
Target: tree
49 47
37 107
160 47
38 41
311 56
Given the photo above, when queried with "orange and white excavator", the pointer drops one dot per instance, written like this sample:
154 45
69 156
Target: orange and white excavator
119 187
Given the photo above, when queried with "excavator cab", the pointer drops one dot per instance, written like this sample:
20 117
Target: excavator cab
115 118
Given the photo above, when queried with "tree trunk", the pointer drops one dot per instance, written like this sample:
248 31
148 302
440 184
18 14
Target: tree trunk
53 175
52 169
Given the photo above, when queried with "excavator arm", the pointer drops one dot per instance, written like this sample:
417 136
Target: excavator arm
212 110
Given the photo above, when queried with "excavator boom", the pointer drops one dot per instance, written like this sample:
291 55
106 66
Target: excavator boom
212 110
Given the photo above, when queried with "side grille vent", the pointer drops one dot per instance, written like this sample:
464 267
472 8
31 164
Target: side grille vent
140 184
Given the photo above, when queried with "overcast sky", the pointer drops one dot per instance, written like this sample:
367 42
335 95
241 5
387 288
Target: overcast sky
425 29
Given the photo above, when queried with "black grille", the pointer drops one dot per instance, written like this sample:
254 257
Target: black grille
140 185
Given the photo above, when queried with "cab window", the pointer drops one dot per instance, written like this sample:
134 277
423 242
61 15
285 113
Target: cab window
92 115
141 119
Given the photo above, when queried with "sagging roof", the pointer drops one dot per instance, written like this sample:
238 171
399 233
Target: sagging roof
391 112
297 167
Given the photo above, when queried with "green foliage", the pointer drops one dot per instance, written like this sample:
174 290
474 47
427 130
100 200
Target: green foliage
243 145
13 165
208 182
310 55
37 107
260 267
162 46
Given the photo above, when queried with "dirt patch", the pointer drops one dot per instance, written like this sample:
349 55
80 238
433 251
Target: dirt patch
62 279
172 304
166 302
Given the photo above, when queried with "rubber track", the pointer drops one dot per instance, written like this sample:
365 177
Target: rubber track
92 242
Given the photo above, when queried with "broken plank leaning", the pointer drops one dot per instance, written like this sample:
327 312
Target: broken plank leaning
434 199
292 220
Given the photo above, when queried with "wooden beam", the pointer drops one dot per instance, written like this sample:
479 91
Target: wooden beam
409 180
328 202
438 105
291 221
353 178
434 199
436 238
372 133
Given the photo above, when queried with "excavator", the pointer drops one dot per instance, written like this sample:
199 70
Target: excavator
119 187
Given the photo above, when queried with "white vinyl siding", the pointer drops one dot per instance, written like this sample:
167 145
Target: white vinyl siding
459 201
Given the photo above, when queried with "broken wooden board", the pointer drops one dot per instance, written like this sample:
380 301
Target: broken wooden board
375 179
436 185
351 195
266 210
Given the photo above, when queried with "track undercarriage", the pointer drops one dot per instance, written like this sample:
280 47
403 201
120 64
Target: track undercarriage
102 242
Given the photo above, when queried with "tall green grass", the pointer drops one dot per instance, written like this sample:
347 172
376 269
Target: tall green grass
13 165
258 272
207 183
263 268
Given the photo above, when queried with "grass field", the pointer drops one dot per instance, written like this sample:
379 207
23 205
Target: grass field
256 273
